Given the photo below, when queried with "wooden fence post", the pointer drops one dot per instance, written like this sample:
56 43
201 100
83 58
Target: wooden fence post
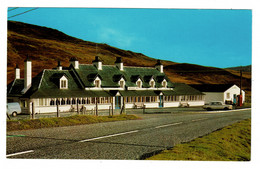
32 110
96 106
58 111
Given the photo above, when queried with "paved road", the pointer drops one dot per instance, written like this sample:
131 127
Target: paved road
118 140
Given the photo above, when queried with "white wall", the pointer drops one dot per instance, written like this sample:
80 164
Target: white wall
196 103
233 90
171 104
151 105
213 96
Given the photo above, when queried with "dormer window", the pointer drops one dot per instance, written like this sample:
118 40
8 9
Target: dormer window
164 83
122 83
152 83
139 83
97 83
63 82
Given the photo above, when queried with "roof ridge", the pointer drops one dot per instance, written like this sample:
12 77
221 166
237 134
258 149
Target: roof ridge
140 67
41 79
12 86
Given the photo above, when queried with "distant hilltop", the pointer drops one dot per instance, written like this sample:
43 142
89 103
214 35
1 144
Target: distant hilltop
243 68
45 46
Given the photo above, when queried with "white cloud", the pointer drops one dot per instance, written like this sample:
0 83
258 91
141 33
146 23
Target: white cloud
116 38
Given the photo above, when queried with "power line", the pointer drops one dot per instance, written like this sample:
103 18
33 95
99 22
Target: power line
13 9
23 13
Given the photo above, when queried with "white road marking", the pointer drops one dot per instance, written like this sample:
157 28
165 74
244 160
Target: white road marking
199 119
223 111
167 125
24 152
112 135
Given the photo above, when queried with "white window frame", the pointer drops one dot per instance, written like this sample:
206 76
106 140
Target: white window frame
164 81
119 82
97 80
150 83
141 83
63 80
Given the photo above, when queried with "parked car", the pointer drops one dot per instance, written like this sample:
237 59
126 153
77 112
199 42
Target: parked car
13 109
217 105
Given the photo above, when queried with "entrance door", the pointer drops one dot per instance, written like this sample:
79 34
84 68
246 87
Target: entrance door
118 102
161 101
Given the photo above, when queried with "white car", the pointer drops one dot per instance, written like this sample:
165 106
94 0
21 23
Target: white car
13 109
217 105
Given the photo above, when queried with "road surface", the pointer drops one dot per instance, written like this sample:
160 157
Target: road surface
134 139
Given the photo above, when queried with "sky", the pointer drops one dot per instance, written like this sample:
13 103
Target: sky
209 37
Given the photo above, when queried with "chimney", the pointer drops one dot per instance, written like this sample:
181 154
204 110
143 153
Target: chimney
97 63
119 63
27 74
59 67
17 72
159 66
74 62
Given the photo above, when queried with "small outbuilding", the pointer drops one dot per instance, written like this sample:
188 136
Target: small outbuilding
227 93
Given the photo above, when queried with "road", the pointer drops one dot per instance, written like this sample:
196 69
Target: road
134 139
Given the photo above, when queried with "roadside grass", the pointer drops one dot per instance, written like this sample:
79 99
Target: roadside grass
231 143
26 124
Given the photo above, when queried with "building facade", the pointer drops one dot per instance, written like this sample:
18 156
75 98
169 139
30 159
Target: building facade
98 86
226 93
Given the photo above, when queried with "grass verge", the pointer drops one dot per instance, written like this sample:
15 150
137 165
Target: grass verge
64 121
231 143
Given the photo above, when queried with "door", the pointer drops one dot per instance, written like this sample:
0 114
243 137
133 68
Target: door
118 102
161 101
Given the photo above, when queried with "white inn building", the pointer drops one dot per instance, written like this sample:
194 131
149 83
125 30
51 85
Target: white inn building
106 86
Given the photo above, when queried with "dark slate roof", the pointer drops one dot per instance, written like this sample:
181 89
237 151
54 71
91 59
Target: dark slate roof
15 87
212 87
184 89
52 93
110 74
46 83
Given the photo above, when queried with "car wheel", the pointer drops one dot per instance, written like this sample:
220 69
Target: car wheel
14 114
226 108
209 109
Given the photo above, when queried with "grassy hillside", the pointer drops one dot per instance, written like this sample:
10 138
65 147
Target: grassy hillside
46 46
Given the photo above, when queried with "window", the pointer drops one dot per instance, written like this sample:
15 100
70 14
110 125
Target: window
228 95
68 101
78 101
164 84
52 102
73 101
152 84
62 102
83 101
57 102
97 83
139 84
121 83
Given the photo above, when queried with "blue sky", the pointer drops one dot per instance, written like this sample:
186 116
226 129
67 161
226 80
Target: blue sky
219 38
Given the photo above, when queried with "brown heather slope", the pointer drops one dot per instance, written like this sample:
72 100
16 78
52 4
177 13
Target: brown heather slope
45 46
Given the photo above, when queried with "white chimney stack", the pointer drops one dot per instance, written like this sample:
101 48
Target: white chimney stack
119 64
27 74
59 67
74 62
17 72
97 62
159 66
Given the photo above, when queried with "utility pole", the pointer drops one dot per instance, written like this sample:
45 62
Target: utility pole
240 96
241 80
